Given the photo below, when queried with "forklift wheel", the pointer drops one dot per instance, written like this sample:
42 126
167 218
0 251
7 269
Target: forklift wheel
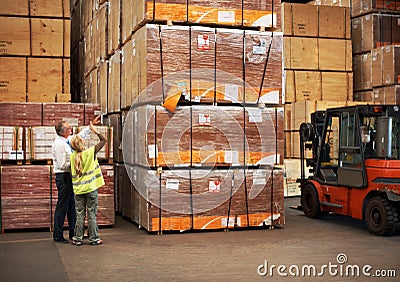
382 216
310 202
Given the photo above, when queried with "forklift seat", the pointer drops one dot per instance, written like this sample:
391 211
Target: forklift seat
328 175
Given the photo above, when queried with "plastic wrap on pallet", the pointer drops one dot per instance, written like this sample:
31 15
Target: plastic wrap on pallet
25 196
206 135
233 13
11 143
208 199
207 64
39 142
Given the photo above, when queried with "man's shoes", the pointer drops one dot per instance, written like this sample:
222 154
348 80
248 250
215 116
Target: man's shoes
97 242
71 235
77 243
61 240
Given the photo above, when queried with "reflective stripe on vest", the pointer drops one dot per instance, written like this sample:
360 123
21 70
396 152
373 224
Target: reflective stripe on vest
91 178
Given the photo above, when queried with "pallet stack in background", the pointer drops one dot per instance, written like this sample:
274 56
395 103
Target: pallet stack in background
367 54
225 134
35 51
376 51
27 182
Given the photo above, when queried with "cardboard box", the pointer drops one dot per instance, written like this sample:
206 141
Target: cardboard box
13 79
392 94
396 28
102 87
14 36
100 23
357 35
332 54
364 96
47 37
391 64
376 65
332 22
113 31
114 85
366 71
374 35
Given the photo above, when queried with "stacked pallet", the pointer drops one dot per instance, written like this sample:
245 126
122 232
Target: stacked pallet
376 58
35 45
28 189
221 124
317 68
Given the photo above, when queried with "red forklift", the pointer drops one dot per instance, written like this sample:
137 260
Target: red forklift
353 155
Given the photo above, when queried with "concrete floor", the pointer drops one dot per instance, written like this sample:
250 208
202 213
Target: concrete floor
130 254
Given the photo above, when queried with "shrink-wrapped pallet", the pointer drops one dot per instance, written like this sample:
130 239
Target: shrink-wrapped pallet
25 196
11 143
205 135
202 64
208 199
233 13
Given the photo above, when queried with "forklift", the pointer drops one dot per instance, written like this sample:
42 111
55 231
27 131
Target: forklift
353 155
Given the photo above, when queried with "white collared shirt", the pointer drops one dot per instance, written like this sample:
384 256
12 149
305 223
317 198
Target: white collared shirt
62 150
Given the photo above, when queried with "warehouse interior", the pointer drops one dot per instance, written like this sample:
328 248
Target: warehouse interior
201 104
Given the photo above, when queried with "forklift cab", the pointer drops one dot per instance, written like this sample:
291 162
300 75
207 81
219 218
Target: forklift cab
350 136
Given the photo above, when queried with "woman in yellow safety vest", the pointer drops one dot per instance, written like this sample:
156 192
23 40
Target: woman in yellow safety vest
86 180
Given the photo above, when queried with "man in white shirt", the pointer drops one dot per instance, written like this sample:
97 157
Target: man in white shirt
62 168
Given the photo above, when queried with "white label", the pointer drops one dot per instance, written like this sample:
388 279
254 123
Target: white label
153 151
226 16
259 46
172 184
197 99
110 173
204 119
203 42
231 92
254 115
231 157
259 178
225 220
16 155
214 186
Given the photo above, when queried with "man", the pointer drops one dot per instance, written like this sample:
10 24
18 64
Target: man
62 168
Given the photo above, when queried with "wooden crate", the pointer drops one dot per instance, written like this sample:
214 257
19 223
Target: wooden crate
100 21
332 54
15 36
9 8
335 86
67 38
47 37
44 8
44 75
113 31
102 87
13 79
307 85
305 20
303 53
391 65
332 22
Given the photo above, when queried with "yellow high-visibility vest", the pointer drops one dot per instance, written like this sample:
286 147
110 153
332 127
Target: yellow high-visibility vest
91 178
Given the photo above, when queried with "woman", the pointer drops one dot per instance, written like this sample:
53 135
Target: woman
86 179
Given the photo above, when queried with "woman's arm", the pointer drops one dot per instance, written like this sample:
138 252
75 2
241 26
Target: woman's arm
103 139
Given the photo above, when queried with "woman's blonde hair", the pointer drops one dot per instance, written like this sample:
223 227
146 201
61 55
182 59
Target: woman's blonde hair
78 146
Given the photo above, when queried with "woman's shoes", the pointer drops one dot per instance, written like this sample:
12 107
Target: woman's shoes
97 242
